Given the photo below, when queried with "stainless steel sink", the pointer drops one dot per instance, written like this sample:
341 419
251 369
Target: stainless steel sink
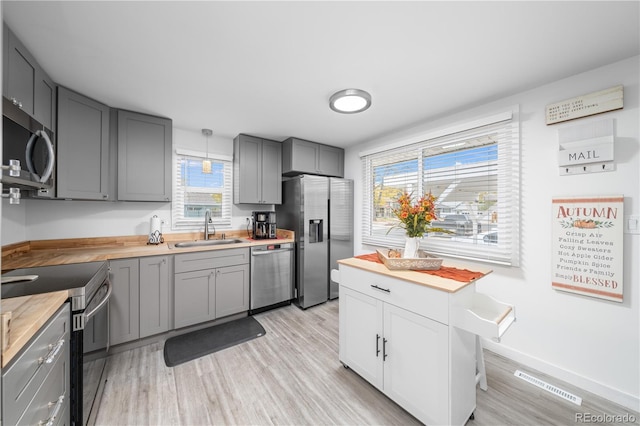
201 243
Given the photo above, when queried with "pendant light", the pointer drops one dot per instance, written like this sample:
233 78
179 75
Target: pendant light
206 163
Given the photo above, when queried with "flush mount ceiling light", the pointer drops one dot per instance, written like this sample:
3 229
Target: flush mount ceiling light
206 163
350 101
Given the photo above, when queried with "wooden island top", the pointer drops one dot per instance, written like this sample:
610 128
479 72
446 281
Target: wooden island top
420 277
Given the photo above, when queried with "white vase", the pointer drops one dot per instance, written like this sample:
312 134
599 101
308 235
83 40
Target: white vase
411 246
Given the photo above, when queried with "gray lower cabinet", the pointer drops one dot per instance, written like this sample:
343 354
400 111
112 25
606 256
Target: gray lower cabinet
141 302
83 148
124 304
210 285
144 157
155 291
301 156
257 170
36 384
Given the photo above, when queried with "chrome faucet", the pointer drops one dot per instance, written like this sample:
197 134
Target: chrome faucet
208 222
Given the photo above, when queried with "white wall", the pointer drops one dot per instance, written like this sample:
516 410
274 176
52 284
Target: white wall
36 219
586 341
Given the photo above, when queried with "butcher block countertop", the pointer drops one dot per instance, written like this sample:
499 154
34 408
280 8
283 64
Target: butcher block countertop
28 314
422 278
31 254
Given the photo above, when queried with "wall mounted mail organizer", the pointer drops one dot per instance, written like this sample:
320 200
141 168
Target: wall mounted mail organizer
586 148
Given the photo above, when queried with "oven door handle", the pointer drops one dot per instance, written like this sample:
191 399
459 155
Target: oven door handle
103 302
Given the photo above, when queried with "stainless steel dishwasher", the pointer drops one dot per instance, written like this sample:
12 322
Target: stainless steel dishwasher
271 276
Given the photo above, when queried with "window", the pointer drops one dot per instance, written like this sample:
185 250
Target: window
473 171
195 192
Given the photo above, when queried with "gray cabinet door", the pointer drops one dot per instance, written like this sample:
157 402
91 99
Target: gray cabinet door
303 156
83 147
144 157
19 74
232 290
155 309
124 304
248 169
330 161
194 297
45 100
257 170
271 172
26 83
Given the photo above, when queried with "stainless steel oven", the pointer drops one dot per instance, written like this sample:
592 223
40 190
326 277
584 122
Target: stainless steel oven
89 292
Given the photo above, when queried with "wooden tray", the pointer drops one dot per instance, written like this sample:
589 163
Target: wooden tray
425 261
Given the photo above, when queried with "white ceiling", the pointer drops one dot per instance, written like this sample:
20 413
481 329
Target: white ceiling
269 68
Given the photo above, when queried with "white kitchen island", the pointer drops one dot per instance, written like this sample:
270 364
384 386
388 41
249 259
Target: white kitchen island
413 335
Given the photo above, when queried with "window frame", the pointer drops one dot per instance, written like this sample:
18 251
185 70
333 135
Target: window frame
178 221
506 250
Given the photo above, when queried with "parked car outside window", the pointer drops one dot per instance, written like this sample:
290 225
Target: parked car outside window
459 224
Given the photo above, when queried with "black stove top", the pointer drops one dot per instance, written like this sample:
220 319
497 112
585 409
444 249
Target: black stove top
78 278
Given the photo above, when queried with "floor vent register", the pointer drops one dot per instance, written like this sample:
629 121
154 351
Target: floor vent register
549 388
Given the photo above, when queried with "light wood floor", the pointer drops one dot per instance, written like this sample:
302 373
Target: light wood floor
292 376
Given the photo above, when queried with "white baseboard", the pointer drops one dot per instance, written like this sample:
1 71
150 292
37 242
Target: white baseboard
614 395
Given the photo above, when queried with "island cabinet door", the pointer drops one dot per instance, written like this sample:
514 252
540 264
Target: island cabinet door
416 364
361 337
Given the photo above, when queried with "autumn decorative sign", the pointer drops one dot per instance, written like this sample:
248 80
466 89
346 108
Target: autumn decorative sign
587 243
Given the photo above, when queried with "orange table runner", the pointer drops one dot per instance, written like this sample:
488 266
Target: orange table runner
456 274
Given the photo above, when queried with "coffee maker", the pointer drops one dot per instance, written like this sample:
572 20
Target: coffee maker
264 225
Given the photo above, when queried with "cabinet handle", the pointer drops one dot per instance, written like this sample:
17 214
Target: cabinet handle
377 344
53 352
386 290
52 420
384 349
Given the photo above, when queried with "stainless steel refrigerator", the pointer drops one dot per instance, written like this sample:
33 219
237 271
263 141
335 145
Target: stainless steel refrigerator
320 211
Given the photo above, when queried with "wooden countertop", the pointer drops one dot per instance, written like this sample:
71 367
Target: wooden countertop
31 254
433 281
28 315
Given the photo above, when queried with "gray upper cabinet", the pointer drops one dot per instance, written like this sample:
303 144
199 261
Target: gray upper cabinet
155 300
257 170
83 148
26 83
144 157
305 157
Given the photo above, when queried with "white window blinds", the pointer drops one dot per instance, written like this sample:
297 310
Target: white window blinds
474 175
195 192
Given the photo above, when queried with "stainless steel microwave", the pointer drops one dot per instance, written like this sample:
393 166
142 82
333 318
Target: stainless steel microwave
28 151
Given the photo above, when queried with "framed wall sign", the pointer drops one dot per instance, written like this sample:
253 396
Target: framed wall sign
585 105
587 246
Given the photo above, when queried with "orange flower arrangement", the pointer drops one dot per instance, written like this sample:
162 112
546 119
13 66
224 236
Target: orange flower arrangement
416 219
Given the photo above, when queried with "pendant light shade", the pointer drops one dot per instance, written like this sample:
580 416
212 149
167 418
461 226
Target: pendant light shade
206 163
350 101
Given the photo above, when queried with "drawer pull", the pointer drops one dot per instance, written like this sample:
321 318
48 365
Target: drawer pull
52 420
53 352
386 290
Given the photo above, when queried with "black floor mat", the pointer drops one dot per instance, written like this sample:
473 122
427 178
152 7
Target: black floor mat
189 346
